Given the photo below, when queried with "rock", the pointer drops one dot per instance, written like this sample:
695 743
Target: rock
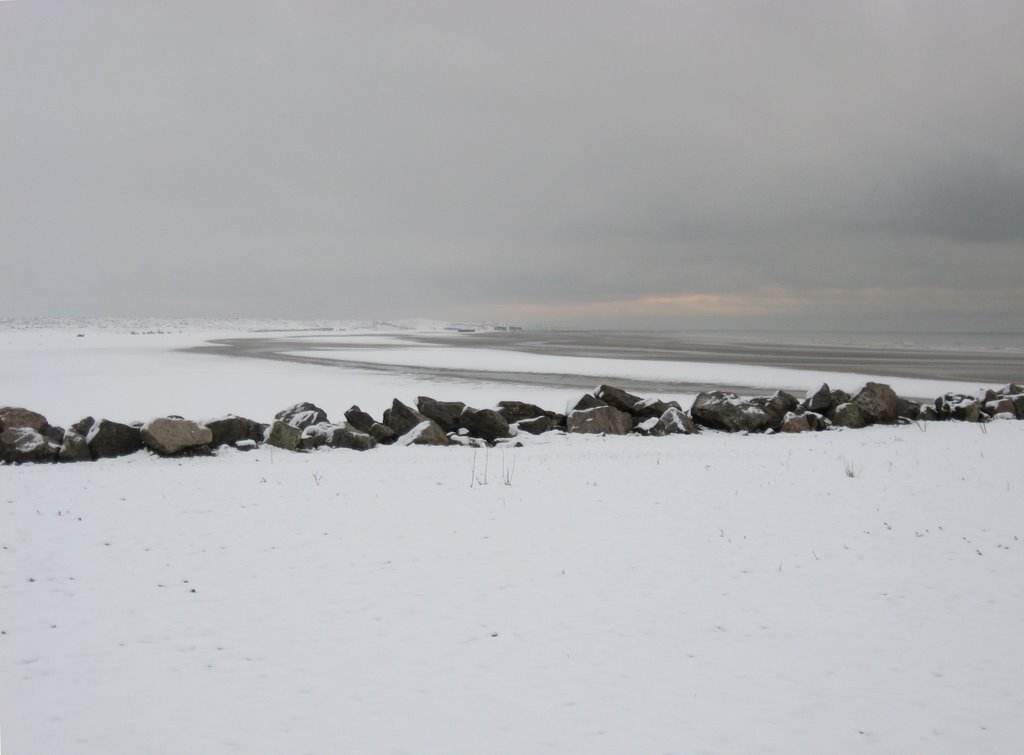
727 411
517 411
586 401
108 439
485 424
83 426
795 423
535 426
817 422
15 417
168 437
848 415
620 399
246 445
1001 405
838 397
1018 402
339 436
599 419
302 415
284 435
402 418
908 409
1011 389
74 448
958 406
652 427
928 414
819 401
230 429
464 440
878 403
445 413
364 423
676 421
776 407
426 433
19 445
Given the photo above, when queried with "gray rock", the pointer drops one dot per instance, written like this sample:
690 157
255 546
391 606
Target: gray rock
776 407
302 415
848 415
620 399
958 406
74 448
909 409
364 423
485 424
338 436
676 421
167 436
838 397
108 439
517 411
1011 389
586 401
16 416
727 411
230 429
445 413
928 414
536 425
878 403
795 423
651 427
816 422
426 433
819 401
402 418
83 426
19 445
599 419
284 435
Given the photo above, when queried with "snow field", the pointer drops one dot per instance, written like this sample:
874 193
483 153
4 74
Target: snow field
718 593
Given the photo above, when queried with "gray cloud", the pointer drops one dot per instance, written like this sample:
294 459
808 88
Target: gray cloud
443 159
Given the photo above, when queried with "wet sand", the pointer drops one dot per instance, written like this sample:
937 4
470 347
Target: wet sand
981 365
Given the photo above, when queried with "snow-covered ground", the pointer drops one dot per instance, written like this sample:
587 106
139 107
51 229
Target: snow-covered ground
850 591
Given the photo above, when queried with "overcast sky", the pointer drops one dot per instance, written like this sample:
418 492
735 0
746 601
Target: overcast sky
632 164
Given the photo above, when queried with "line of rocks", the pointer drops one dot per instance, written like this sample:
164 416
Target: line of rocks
26 436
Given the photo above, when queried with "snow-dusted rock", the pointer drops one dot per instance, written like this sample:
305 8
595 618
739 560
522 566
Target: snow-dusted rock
485 424
599 419
958 406
426 433
878 403
108 439
445 413
74 448
402 418
517 411
230 429
727 411
23 444
848 414
676 421
340 435
364 423
169 436
536 425
16 416
302 415
284 435
820 400
795 423
776 407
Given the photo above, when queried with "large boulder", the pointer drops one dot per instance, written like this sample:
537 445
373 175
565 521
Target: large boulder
284 435
536 425
230 429
426 433
848 414
599 419
651 427
776 407
795 423
676 421
364 423
83 426
624 401
1001 406
336 436
402 419
108 439
23 444
819 401
168 437
727 411
302 415
517 411
878 403
445 413
485 424
16 416
74 448
586 401
908 409
958 406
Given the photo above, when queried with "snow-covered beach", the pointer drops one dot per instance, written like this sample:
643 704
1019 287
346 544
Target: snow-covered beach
845 591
